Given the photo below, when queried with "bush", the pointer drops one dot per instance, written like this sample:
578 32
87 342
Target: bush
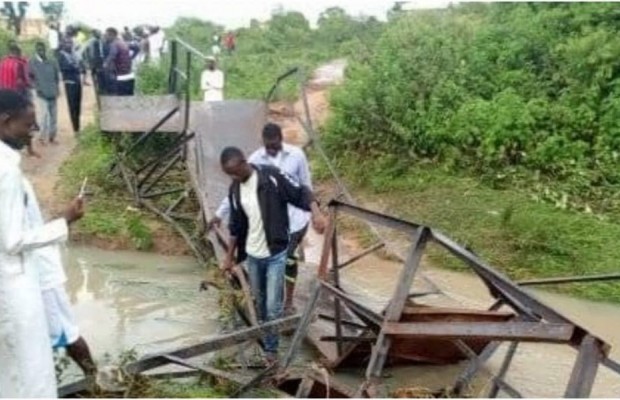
520 94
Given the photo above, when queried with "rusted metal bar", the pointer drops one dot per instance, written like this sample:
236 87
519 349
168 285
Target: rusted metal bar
356 339
188 89
472 368
508 289
343 321
337 306
302 327
512 350
172 78
327 241
215 372
163 193
352 304
363 254
178 201
522 331
397 304
179 140
612 365
509 389
202 257
212 344
376 218
570 279
255 381
160 175
586 366
191 48
148 133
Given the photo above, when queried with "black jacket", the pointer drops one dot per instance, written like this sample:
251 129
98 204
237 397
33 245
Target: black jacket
275 191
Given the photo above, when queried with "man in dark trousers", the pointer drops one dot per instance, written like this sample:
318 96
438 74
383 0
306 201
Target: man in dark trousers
46 77
93 58
71 70
259 226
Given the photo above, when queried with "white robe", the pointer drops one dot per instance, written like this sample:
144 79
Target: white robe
212 85
26 361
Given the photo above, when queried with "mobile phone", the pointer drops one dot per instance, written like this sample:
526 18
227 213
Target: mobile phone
83 188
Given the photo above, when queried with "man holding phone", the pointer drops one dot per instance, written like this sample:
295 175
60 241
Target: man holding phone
25 349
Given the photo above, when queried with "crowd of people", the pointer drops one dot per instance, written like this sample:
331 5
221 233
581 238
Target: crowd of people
268 209
67 59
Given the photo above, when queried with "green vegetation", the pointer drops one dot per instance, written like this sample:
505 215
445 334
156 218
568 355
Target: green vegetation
496 123
267 50
110 215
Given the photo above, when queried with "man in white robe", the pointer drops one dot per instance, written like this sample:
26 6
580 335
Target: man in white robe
212 82
26 362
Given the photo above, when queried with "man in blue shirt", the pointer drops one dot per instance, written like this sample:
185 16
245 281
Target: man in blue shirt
291 160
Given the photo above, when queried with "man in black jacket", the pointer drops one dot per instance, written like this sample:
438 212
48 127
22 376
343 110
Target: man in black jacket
259 197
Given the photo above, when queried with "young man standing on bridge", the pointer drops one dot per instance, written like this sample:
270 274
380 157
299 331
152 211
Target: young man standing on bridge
259 227
291 160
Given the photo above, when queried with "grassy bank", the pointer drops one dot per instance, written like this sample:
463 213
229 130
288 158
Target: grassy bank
111 220
519 235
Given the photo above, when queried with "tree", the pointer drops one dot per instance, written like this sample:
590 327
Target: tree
52 10
15 18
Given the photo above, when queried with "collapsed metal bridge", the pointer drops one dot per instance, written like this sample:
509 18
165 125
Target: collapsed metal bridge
337 322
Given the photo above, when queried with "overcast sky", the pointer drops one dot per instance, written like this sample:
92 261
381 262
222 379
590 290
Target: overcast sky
232 13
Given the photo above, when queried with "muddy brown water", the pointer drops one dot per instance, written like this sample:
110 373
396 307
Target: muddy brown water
126 300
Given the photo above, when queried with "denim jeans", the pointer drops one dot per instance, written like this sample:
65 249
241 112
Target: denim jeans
48 117
267 281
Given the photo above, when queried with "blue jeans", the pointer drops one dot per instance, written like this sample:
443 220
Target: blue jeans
267 281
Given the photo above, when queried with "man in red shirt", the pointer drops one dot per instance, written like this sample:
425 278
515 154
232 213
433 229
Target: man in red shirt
14 76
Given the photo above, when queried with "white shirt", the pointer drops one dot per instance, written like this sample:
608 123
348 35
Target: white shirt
212 84
256 245
25 348
156 45
48 259
52 39
292 160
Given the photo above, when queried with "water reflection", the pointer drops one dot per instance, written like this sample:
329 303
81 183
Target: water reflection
125 300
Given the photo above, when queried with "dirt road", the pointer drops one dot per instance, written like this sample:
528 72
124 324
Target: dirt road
44 172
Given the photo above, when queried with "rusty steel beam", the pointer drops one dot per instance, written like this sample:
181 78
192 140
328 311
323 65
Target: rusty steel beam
585 369
363 254
570 279
337 305
376 218
495 387
473 367
397 304
344 322
355 339
212 344
511 291
358 309
612 365
327 241
521 331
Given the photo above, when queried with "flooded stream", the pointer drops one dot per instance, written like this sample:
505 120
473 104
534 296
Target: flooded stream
138 301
